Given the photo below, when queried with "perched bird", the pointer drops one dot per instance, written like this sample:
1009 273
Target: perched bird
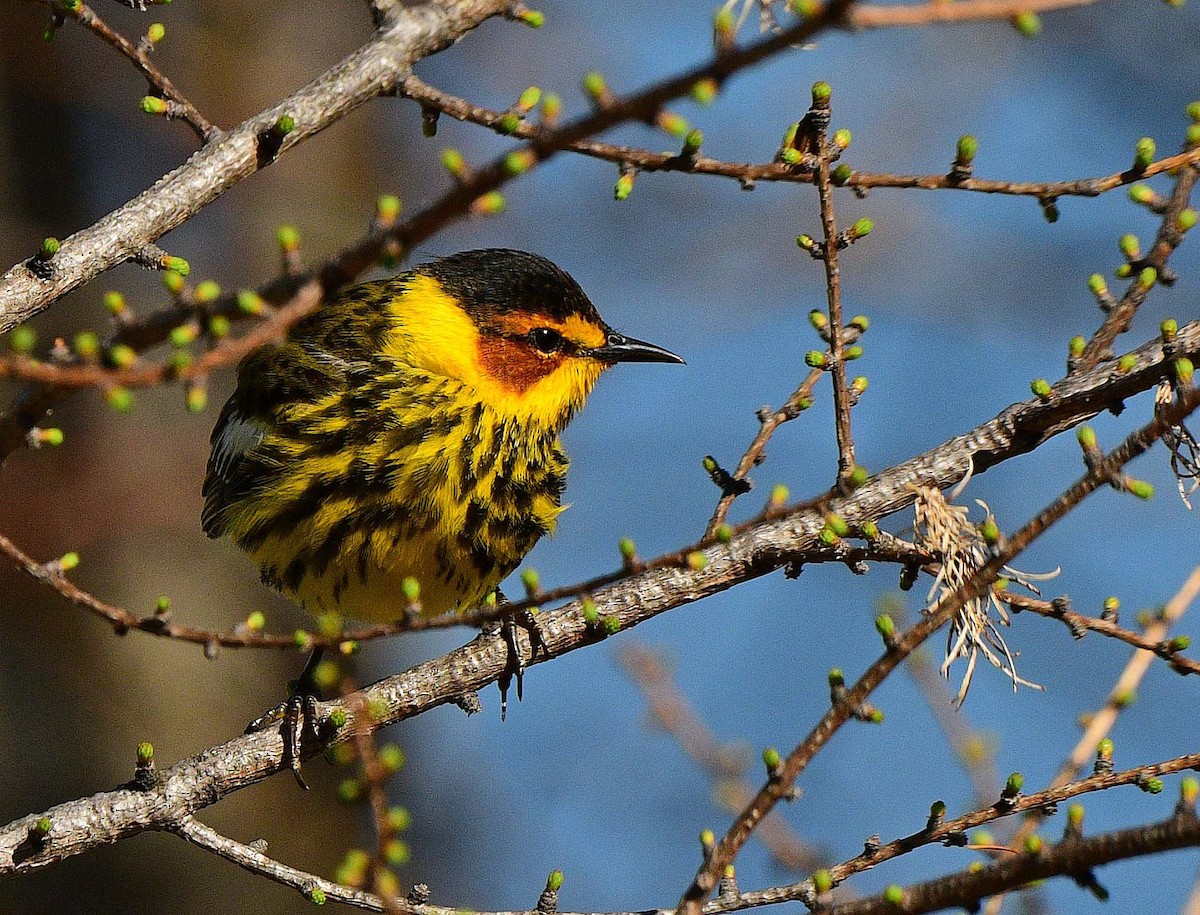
409 428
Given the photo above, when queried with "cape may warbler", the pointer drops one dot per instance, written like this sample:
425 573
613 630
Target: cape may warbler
410 428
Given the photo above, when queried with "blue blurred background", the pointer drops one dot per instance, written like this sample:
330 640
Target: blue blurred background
969 296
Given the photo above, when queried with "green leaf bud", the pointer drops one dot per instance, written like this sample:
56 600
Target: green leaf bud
1127 363
1142 194
152 104
196 398
724 533
1076 345
1143 153
490 204
705 91
519 161
554 881
842 138
885 626
1129 246
870 530
611 624
1189 789
1184 370
697 561
595 86
1040 388
42 827
508 124
1027 23
861 228
791 156
528 100
893 894
1140 488
691 143
822 881
964 152
22 339
122 356
857 476
841 175
114 302
821 93
1013 786
535 19
49 248
815 359
156 32
1147 277
68 561
771 759
672 123
288 238
391 757
852 352
1086 436
315 895
1152 785
1033 843
990 531
859 385
145 754
453 162
624 186
1187 219
1097 284
250 302
591 613
837 524
410 588
836 678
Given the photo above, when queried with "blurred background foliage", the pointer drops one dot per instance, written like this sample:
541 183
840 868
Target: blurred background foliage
970 297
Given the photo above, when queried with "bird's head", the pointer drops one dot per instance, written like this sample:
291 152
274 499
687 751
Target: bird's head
514 327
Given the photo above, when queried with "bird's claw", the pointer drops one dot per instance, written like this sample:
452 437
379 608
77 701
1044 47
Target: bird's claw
514 667
299 716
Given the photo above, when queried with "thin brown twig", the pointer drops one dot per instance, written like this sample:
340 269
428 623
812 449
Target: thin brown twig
833 289
754 454
782 782
1149 643
184 110
749 173
1170 235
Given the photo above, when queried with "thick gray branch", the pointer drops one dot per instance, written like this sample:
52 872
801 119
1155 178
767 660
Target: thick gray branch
202 780
412 32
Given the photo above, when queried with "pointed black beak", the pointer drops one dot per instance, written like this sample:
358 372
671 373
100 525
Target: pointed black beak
619 348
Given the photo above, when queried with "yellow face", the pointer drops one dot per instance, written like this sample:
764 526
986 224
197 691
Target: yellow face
526 365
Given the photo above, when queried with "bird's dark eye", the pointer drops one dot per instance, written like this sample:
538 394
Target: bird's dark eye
546 340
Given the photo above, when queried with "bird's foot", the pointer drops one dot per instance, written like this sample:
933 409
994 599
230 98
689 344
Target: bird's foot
514 667
299 717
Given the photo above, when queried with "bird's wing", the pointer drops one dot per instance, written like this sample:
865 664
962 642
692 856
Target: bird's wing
229 475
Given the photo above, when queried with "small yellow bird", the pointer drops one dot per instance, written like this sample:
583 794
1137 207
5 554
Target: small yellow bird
409 428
